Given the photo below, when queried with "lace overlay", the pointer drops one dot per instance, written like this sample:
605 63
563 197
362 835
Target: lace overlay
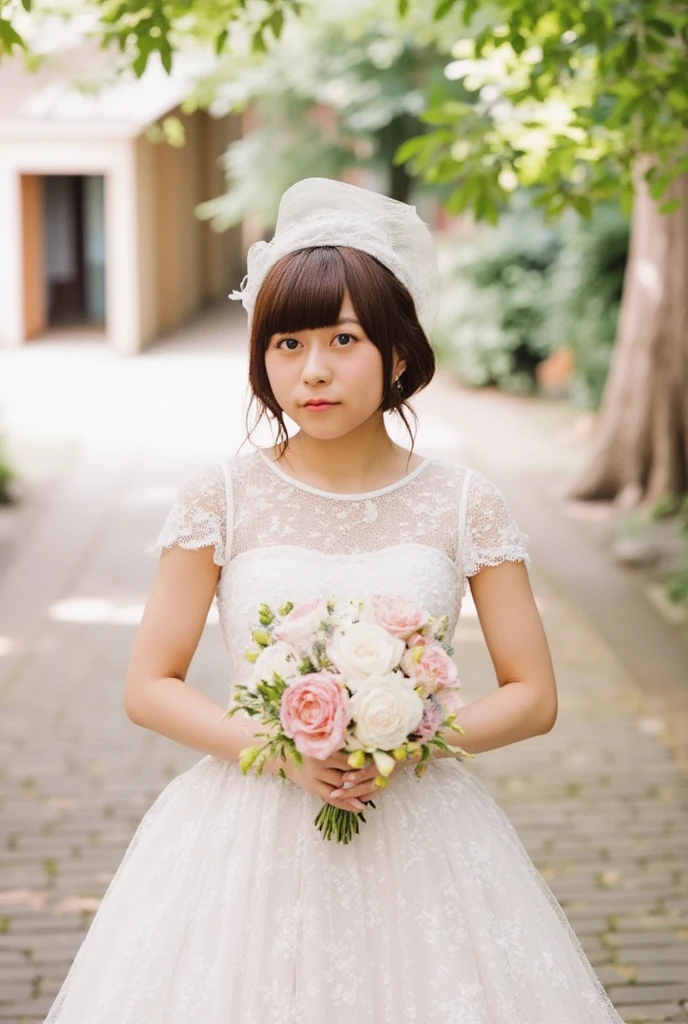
198 517
229 908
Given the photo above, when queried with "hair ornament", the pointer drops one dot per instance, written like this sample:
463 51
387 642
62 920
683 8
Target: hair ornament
323 211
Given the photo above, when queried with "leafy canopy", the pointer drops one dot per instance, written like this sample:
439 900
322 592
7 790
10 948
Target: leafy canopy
561 96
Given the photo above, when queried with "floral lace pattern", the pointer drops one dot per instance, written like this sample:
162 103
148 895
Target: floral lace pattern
228 906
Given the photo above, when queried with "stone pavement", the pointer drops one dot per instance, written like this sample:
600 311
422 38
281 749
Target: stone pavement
600 802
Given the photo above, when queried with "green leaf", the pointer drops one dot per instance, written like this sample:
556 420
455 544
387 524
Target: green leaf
276 22
670 206
443 8
630 53
9 38
258 44
221 41
402 8
663 28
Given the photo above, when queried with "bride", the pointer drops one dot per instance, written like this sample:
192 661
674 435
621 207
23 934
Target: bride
228 906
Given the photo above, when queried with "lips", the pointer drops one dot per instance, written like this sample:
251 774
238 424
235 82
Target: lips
319 403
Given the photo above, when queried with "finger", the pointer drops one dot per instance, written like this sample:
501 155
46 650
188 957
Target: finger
338 760
355 778
331 776
343 803
366 788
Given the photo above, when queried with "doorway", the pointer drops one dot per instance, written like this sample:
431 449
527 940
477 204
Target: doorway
64 251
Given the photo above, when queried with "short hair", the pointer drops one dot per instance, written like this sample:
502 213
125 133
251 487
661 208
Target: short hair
304 291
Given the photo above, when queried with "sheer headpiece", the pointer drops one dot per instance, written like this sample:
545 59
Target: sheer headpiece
322 211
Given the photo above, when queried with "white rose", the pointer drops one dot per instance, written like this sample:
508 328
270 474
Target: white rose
281 658
300 627
385 711
364 650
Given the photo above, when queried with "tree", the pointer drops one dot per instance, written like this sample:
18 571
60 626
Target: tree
336 94
583 100
577 100
140 28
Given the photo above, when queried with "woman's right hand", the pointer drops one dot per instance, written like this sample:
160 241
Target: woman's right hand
323 778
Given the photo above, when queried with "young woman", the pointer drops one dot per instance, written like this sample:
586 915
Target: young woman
229 907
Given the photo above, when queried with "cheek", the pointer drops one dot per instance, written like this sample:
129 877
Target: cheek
280 373
363 373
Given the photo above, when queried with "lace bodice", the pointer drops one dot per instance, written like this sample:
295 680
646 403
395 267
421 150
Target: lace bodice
277 539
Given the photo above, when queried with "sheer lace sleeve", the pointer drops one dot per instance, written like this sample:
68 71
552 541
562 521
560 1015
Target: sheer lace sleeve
198 516
491 533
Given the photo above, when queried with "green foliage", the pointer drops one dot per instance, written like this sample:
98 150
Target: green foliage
586 288
10 39
492 326
140 28
560 96
676 584
8 476
525 288
337 94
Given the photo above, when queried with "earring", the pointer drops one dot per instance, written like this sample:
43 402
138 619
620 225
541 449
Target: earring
397 385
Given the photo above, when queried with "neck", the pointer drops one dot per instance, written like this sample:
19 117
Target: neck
365 459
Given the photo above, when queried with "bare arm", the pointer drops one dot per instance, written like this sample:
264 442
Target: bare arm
156 694
525 704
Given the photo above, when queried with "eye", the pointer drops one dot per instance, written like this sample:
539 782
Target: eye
289 343
348 337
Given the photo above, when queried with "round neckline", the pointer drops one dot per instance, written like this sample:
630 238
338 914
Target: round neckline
356 496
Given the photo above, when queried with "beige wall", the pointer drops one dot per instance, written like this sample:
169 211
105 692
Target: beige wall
59 151
184 263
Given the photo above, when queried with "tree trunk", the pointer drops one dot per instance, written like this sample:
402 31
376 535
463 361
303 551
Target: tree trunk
641 450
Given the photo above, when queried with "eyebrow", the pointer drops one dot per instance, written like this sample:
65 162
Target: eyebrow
337 323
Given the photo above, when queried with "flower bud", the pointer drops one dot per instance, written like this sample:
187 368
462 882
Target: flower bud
384 763
285 609
381 782
356 759
417 653
261 636
247 756
251 655
399 753
265 615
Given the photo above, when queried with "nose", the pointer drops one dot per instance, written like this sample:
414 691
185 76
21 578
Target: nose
316 369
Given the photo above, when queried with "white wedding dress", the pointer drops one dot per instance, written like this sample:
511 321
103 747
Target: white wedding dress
228 906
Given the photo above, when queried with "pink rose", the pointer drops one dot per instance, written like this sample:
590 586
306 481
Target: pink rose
315 713
396 614
450 700
300 626
432 719
429 665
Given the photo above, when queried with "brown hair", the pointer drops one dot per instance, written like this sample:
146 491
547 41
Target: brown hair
305 290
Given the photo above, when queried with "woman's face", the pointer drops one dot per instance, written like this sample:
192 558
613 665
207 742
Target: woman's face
328 380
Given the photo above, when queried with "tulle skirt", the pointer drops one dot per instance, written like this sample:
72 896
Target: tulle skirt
228 907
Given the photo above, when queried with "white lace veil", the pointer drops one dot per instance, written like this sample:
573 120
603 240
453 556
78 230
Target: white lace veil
322 211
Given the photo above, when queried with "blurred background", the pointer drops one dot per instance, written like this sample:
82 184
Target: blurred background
143 147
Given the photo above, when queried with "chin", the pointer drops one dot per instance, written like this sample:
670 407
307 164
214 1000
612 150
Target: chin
330 426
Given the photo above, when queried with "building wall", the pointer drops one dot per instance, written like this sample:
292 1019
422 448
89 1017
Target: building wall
161 262
23 157
184 263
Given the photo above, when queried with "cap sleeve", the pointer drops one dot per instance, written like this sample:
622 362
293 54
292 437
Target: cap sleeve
491 532
198 516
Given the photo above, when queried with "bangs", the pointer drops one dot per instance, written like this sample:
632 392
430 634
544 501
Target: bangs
306 292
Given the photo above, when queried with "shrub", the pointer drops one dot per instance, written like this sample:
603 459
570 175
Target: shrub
522 290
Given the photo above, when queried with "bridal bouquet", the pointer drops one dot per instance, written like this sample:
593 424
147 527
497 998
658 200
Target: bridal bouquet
369 677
